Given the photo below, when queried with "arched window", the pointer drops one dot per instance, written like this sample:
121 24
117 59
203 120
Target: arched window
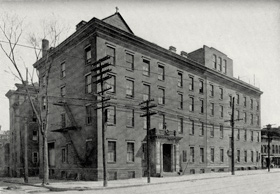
214 61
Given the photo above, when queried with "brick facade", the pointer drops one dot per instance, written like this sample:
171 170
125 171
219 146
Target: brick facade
76 151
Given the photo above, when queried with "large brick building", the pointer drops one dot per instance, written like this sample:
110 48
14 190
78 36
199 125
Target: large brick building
22 118
193 93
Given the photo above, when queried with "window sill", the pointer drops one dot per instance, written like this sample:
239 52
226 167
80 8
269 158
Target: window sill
129 126
129 97
111 162
111 124
131 70
130 162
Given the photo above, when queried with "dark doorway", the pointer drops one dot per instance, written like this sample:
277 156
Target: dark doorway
166 150
51 153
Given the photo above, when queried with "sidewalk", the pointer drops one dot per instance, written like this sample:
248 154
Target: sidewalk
62 185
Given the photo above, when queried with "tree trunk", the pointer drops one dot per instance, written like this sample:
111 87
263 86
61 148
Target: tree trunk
45 160
25 153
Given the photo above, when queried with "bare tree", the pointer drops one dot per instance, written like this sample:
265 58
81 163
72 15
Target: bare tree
11 28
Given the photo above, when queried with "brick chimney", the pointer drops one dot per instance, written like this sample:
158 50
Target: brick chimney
172 49
184 54
45 47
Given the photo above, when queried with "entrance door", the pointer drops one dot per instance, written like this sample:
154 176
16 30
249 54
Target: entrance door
166 150
51 154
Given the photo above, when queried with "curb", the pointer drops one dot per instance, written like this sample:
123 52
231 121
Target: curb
51 188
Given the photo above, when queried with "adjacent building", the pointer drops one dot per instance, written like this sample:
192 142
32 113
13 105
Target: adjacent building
22 118
194 95
274 148
4 152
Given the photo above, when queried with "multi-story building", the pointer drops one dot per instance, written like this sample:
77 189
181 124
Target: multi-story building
274 148
22 118
4 152
193 93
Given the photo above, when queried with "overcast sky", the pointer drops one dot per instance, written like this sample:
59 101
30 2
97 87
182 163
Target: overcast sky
247 31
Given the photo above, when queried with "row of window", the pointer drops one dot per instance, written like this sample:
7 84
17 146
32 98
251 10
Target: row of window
275 149
221 65
212 155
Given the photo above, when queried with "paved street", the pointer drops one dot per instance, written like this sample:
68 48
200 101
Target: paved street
247 182
267 183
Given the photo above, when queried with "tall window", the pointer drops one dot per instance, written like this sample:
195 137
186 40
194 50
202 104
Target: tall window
245 117
237 114
212 154
252 156
184 155
211 90
221 131
245 135
35 157
245 156
201 129
237 99
180 79
161 98
221 93
245 101
214 61
201 155
201 87
111 115
146 67
129 61
146 95
192 154
192 127
257 106
238 156
130 152
111 52
63 120
88 54
63 155
130 118
251 103
191 84
212 128
62 91
252 135
220 64
180 125
257 156
160 72
258 136
238 134
252 119
212 108
221 155
191 106
258 120
88 84
230 100
111 83
88 115
201 106
129 88
111 151
180 96
161 122
225 67
62 69
35 135
221 111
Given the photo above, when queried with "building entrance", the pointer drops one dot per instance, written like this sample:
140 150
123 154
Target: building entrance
167 150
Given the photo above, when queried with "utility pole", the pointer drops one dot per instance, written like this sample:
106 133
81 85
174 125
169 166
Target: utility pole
148 115
232 138
99 73
268 127
232 122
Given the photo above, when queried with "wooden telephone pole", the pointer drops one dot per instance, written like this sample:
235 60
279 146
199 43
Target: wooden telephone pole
99 69
148 115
